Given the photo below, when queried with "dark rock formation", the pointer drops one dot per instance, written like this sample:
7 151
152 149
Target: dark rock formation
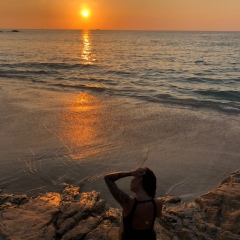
75 215
213 216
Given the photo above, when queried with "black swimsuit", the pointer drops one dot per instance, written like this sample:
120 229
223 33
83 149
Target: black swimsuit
131 234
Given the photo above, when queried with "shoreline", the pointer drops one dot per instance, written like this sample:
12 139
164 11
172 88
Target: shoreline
52 138
76 215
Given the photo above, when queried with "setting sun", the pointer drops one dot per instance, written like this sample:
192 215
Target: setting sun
85 13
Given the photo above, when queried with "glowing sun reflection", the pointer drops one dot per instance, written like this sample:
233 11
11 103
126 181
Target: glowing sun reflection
86 50
82 126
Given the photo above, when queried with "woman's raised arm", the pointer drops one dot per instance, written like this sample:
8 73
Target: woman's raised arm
120 196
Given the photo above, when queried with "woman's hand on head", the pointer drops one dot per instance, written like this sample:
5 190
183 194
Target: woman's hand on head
138 172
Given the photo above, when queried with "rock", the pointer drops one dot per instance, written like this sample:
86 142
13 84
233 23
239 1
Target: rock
30 220
68 224
82 229
10 200
78 215
214 215
222 205
70 193
171 200
103 232
113 215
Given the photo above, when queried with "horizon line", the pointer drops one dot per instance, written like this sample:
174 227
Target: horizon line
98 29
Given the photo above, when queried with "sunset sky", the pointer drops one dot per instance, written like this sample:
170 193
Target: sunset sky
217 15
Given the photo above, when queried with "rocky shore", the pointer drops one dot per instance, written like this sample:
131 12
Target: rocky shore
79 215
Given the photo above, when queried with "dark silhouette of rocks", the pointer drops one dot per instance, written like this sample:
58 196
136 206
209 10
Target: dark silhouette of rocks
79 215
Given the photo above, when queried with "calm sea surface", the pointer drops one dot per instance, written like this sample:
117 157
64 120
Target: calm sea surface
196 69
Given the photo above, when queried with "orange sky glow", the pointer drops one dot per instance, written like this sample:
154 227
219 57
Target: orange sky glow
198 15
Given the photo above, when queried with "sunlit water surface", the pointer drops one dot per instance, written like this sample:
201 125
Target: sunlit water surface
78 104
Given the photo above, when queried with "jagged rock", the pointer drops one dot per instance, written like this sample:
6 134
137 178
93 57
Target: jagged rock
10 200
212 216
86 204
70 193
75 215
104 232
113 215
222 205
82 229
30 220
50 232
68 224
171 200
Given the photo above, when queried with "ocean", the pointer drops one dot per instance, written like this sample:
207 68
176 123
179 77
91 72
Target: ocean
77 104
198 69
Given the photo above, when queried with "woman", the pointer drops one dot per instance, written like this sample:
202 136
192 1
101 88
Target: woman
139 212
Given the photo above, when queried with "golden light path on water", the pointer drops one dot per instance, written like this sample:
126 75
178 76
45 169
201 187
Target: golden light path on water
81 130
83 125
86 49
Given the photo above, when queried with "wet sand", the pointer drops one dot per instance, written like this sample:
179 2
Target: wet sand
54 136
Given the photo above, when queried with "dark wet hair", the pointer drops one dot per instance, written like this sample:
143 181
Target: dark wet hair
149 183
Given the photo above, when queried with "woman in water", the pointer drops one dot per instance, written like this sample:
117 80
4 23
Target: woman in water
139 212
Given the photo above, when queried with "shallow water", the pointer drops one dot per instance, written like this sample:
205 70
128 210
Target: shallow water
49 138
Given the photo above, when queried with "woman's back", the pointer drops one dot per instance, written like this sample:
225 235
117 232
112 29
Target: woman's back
144 215
138 224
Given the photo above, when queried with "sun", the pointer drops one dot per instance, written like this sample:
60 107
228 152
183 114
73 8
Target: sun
85 13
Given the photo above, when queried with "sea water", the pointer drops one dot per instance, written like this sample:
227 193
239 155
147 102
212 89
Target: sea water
199 69
77 104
